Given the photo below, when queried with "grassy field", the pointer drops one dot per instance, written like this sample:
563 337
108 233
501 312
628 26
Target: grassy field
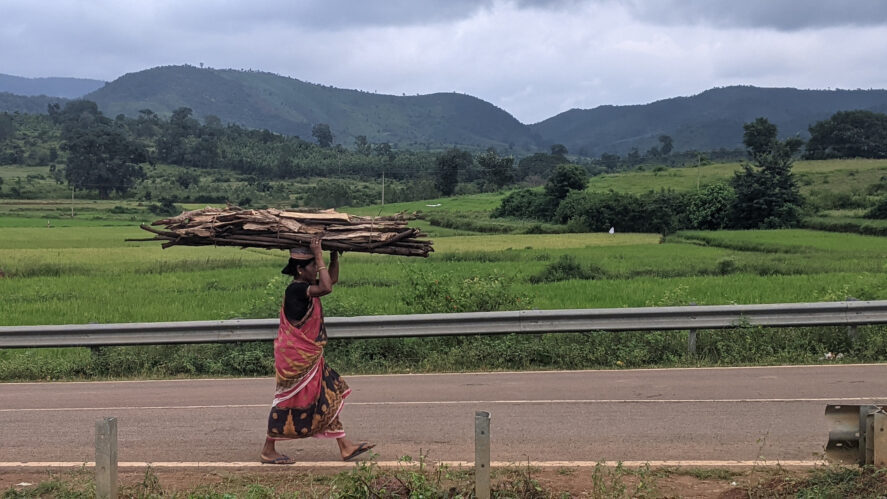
834 175
90 274
62 270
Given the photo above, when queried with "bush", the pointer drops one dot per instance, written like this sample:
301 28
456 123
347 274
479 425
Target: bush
661 212
709 208
879 211
565 268
525 203
165 208
726 265
429 293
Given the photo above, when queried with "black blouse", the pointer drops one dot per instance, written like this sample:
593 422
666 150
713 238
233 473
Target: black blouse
296 301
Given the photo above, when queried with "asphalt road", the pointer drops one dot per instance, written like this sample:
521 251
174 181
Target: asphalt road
741 414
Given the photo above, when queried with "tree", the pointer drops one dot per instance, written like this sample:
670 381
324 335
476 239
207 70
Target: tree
384 150
497 170
323 134
172 144
849 134
559 150
538 164
103 158
565 178
879 211
187 179
362 146
329 194
7 127
767 195
448 166
147 124
666 145
610 162
709 208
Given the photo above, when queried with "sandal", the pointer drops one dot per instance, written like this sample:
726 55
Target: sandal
363 447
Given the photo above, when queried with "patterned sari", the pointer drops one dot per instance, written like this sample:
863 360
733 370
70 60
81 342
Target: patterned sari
309 394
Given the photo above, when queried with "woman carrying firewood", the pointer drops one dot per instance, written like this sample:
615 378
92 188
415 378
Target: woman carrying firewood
309 395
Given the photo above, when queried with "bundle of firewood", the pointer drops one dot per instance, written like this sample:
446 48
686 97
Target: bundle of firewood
272 228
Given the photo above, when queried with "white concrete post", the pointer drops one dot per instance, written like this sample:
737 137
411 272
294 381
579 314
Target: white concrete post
106 458
482 454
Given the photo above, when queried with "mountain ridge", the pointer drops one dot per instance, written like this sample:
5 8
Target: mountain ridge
53 86
709 120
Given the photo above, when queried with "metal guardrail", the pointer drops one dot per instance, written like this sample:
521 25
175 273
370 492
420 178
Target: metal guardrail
850 313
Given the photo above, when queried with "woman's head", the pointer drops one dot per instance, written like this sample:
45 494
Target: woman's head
301 264
298 267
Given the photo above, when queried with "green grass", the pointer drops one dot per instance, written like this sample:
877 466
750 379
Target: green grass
80 270
458 204
79 274
89 275
794 241
834 175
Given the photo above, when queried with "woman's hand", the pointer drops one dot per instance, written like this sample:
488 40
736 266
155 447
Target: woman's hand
316 248
334 255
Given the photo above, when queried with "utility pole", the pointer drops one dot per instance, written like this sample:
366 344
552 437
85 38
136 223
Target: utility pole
383 188
72 201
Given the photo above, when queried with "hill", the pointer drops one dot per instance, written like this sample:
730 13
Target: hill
290 106
710 120
13 103
68 88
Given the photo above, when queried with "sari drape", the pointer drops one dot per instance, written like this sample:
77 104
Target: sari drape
309 394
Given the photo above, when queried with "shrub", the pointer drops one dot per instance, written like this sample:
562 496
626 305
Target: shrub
726 265
165 208
879 211
565 268
429 293
525 203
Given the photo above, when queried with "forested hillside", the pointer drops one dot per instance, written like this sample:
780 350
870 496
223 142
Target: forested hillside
293 107
13 103
710 121
69 88
707 121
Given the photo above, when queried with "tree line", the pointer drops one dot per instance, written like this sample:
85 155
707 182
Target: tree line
762 194
91 151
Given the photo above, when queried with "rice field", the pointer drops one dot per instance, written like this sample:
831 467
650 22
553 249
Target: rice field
88 274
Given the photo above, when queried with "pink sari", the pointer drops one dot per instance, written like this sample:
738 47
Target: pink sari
309 395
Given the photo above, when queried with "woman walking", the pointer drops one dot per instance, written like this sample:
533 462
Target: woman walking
309 395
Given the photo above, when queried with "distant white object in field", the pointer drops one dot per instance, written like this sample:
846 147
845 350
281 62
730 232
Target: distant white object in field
612 230
433 205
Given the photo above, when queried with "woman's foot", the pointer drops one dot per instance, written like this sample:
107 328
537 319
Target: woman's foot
269 455
350 449
280 459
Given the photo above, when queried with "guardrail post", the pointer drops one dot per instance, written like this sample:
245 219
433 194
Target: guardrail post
482 454
691 339
106 458
869 453
879 440
852 333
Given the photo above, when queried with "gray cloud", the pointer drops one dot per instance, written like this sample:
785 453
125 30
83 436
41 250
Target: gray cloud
785 15
320 15
532 58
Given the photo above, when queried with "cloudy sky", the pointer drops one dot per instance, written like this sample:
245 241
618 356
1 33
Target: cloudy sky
532 58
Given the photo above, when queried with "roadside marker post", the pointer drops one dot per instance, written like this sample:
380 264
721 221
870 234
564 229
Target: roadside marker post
106 458
482 454
879 439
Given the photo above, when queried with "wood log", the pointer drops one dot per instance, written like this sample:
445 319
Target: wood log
273 228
